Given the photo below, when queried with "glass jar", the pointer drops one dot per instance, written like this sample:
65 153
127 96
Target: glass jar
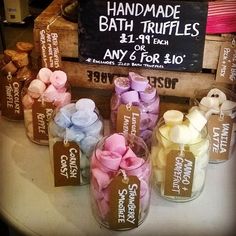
180 155
142 103
120 181
14 71
79 125
219 105
40 96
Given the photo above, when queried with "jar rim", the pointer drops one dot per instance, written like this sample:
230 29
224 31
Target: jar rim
200 93
161 122
146 153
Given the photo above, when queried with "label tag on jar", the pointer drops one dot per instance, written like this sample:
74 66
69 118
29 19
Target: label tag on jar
49 46
179 173
11 98
220 130
66 160
128 119
226 71
124 195
41 112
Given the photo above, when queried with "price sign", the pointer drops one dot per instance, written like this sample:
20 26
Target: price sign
149 33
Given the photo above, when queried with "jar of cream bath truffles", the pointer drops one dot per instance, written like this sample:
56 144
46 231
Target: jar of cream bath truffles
74 131
40 97
180 154
120 181
134 106
219 105
15 70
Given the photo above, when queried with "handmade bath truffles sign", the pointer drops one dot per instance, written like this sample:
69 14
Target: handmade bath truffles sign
149 33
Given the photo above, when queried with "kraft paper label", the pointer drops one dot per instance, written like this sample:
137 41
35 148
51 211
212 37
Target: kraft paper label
220 131
226 71
128 119
124 202
49 46
66 158
11 98
179 174
42 112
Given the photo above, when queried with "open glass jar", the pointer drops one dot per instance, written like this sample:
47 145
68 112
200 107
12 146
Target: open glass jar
74 130
180 155
120 181
134 106
219 106
40 96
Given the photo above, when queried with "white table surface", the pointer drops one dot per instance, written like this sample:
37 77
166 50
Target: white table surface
30 202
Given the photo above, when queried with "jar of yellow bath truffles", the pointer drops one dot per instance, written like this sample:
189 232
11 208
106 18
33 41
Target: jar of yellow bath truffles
219 106
180 154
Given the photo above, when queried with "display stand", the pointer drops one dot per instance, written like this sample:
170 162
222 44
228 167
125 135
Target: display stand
31 204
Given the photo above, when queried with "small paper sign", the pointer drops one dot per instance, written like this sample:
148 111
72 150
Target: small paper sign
179 174
11 98
66 158
220 131
42 112
128 119
124 202
226 71
49 46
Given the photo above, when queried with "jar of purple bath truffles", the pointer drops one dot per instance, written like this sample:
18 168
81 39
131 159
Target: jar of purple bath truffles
134 106
74 131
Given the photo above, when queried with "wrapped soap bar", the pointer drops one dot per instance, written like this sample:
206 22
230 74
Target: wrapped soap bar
120 181
15 70
40 96
79 124
219 106
134 98
180 154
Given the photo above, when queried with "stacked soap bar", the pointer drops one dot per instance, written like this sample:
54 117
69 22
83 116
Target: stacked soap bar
15 68
136 90
220 107
81 123
216 102
16 61
180 133
113 156
51 87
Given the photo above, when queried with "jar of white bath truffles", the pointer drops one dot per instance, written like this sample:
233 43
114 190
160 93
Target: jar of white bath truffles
180 154
40 96
219 106
78 124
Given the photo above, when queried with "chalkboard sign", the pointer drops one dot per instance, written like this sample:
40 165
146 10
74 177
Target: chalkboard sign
153 34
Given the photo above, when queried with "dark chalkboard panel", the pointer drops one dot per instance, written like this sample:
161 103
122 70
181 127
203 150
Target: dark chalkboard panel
153 34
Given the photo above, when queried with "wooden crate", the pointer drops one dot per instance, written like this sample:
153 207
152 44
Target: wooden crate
100 77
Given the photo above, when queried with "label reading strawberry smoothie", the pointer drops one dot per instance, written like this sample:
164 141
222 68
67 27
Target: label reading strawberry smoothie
124 202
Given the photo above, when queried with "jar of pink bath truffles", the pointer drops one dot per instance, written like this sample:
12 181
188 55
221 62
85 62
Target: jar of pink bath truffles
219 105
120 181
74 130
134 106
40 96
180 155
